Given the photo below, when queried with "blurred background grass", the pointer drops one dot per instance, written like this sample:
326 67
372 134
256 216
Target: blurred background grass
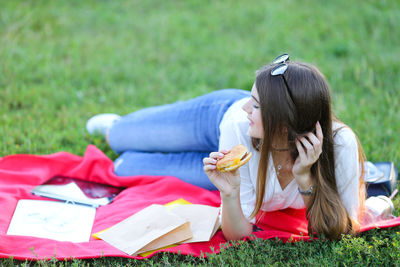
63 61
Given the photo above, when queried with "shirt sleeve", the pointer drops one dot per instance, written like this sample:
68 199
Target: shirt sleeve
247 193
347 170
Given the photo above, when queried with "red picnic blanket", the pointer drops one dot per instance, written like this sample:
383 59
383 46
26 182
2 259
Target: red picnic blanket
19 174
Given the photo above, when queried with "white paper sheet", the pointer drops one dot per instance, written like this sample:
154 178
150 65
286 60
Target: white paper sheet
52 219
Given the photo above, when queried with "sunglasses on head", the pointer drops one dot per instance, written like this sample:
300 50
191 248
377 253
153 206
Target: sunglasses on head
280 69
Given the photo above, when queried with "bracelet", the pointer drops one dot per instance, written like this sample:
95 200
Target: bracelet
306 192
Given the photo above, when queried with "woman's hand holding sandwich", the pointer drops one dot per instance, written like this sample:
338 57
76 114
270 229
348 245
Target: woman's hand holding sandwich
221 168
228 183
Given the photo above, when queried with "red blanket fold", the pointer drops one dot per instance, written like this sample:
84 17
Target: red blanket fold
20 173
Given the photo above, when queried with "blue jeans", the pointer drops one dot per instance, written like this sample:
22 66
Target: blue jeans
173 139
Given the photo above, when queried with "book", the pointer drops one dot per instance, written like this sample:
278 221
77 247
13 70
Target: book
52 219
372 173
381 178
151 228
169 206
77 191
157 227
204 220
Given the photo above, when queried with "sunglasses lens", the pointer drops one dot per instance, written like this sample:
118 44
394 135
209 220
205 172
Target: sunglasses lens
279 70
281 58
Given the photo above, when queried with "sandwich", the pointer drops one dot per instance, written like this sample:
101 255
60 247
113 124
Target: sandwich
237 157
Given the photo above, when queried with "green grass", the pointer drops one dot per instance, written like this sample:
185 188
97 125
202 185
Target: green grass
63 61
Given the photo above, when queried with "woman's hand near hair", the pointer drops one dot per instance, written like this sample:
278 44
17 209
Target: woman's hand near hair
233 222
309 148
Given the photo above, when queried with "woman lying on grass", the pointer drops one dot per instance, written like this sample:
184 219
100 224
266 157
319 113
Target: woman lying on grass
303 157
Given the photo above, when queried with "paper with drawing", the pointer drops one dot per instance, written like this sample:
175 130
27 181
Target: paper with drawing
52 219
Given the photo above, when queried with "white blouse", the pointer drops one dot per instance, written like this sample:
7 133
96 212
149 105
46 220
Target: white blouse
234 129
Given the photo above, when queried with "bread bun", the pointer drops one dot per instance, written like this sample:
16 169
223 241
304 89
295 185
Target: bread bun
237 157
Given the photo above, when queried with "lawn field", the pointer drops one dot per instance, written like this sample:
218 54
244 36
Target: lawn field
63 61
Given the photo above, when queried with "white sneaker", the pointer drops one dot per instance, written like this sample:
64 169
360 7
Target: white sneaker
100 123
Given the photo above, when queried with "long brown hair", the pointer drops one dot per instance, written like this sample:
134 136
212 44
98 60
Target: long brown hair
309 102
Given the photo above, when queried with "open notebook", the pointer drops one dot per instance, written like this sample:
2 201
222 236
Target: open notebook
77 191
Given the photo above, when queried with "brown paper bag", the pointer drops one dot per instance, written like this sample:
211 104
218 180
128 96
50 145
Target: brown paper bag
149 229
204 220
